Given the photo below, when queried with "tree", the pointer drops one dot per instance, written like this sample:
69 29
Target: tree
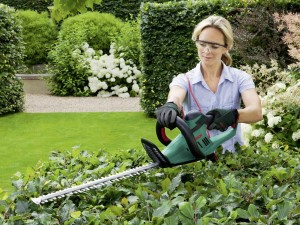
64 8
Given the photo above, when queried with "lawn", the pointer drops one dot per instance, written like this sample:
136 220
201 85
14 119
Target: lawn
27 138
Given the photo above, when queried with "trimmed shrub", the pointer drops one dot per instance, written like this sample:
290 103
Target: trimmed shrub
70 76
11 54
39 34
97 29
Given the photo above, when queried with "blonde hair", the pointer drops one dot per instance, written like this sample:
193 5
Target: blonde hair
221 24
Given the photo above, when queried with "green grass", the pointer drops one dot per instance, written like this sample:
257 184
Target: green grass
27 138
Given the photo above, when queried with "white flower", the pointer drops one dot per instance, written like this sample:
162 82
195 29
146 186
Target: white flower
135 87
270 115
129 80
272 121
104 94
90 52
270 93
268 137
85 46
296 135
275 145
256 133
124 95
280 86
259 144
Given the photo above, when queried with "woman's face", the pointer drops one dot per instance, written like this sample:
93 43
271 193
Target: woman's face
211 46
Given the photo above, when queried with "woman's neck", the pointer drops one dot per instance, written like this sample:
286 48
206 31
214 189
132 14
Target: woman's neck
211 72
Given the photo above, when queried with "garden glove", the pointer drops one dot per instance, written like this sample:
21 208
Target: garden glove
166 115
223 118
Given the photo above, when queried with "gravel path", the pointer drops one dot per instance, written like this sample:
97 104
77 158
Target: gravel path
39 103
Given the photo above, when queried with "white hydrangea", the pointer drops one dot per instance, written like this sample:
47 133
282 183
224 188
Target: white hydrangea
280 86
268 137
85 46
135 87
124 95
296 135
90 52
275 145
257 132
272 121
107 70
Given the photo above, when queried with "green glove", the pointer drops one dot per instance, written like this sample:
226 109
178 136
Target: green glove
223 118
166 115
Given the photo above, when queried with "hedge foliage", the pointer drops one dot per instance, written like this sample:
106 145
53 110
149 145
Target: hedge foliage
11 55
39 34
255 186
167 48
37 5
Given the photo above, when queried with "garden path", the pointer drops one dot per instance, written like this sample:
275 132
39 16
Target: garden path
39 103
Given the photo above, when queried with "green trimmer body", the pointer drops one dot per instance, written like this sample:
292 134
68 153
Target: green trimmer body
192 144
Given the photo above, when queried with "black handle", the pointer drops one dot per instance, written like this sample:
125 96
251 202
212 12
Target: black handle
187 134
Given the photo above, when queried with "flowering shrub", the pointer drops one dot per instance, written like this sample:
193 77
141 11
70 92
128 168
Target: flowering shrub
265 76
280 127
110 76
291 23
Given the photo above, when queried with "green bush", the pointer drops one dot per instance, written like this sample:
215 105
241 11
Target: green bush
128 43
125 10
39 34
97 29
69 74
11 55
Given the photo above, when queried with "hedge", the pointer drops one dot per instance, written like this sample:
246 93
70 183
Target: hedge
11 55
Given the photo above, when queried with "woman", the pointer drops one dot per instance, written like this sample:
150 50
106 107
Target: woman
213 87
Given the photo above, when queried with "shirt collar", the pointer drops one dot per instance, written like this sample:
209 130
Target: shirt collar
225 75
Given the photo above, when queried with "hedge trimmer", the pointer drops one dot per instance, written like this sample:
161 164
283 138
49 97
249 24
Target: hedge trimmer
192 144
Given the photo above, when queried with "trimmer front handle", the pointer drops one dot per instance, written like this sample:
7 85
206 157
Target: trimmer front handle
186 132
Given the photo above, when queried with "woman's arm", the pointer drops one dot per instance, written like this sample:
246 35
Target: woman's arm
253 110
177 95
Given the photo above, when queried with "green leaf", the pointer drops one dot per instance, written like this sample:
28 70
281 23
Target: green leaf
200 202
163 209
165 184
252 209
175 183
117 210
22 207
171 220
243 213
222 188
75 214
186 213
284 210
270 192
